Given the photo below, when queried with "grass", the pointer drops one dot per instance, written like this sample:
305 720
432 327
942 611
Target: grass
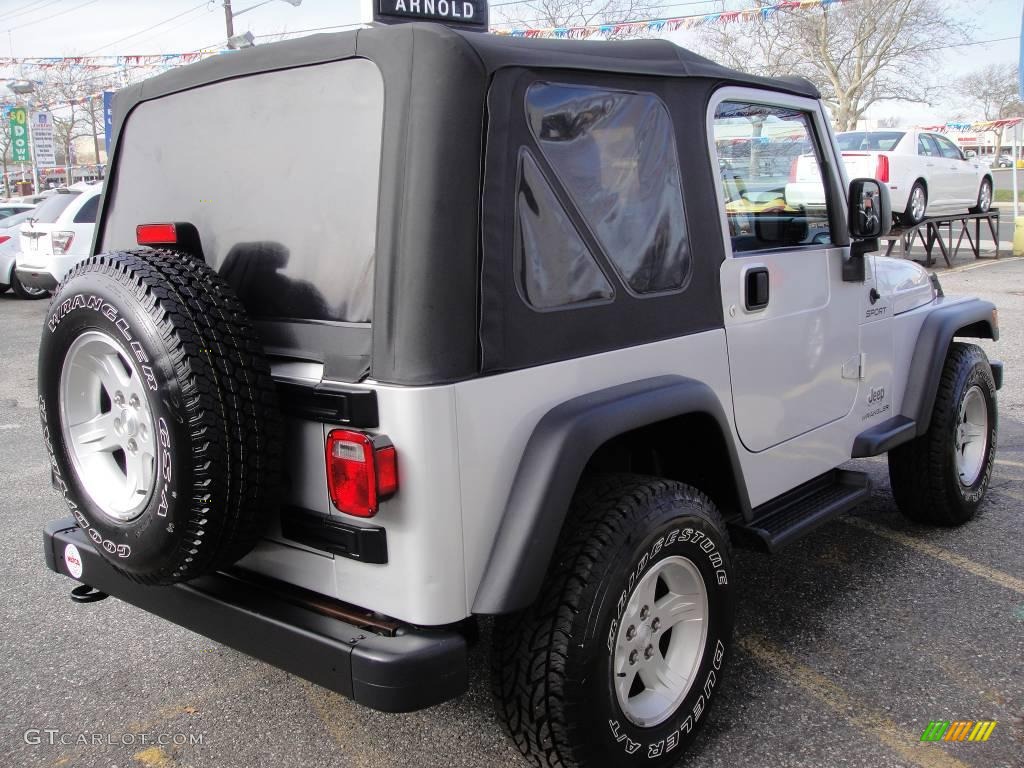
1006 196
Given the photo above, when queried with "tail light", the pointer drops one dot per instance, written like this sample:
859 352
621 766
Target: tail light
4 239
792 168
62 241
156 234
362 470
882 168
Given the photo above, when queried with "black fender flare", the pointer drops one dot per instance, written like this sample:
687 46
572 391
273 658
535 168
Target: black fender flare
973 318
554 458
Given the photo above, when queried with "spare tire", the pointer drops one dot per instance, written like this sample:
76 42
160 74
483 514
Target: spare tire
159 413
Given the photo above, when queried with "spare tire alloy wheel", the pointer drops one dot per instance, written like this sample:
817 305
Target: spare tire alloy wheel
159 414
107 425
620 657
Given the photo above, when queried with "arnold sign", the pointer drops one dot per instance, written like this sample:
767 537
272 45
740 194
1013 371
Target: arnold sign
468 14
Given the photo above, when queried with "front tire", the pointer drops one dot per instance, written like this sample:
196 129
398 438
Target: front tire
940 478
22 291
984 197
618 659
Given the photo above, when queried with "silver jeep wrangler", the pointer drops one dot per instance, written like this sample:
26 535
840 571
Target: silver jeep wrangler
531 329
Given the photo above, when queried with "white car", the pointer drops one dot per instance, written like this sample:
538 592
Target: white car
9 241
9 209
926 172
58 236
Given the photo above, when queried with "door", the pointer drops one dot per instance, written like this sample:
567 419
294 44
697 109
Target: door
962 176
791 322
934 171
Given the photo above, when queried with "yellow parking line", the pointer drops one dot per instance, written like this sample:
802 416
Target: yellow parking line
904 743
985 261
993 575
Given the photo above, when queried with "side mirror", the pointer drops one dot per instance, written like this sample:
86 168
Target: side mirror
870 212
970 153
869 217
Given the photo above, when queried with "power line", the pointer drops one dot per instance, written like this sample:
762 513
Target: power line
167 31
315 29
25 8
147 29
51 16
670 5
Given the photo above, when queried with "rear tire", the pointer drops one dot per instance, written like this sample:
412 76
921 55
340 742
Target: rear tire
917 206
940 478
22 291
159 414
618 659
984 197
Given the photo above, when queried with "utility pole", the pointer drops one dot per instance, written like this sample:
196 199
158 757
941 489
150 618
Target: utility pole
229 22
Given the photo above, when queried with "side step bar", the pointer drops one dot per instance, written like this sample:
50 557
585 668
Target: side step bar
793 514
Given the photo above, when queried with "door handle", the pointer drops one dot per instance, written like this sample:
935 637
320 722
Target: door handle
756 289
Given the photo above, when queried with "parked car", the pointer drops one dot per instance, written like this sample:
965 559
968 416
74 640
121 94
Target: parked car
522 358
9 209
1005 160
31 199
927 174
10 231
57 236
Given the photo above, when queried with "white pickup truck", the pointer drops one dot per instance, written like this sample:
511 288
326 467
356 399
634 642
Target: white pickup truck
925 173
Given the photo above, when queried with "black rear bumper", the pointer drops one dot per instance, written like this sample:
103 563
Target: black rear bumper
410 670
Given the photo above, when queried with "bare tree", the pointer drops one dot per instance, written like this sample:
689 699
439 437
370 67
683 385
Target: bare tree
5 148
858 54
991 92
575 13
62 90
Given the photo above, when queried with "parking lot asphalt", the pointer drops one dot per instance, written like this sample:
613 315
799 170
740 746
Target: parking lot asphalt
848 643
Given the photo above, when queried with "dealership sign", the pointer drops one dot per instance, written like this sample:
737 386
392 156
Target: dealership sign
19 134
469 14
42 139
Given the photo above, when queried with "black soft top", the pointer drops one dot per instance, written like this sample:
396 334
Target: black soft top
444 304
635 57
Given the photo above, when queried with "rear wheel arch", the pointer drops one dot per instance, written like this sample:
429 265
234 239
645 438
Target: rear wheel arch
599 431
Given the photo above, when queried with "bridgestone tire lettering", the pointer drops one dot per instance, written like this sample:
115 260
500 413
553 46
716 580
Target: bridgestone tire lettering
551 663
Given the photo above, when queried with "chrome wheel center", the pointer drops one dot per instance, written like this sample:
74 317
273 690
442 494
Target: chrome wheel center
918 203
660 641
107 425
971 440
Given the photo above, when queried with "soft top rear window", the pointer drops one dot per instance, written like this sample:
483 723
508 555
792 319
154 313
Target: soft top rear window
279 173
872 141
52 207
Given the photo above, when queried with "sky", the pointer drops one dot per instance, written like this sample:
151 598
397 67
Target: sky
79 27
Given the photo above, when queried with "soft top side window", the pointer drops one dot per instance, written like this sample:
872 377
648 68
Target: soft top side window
772 183
614 153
